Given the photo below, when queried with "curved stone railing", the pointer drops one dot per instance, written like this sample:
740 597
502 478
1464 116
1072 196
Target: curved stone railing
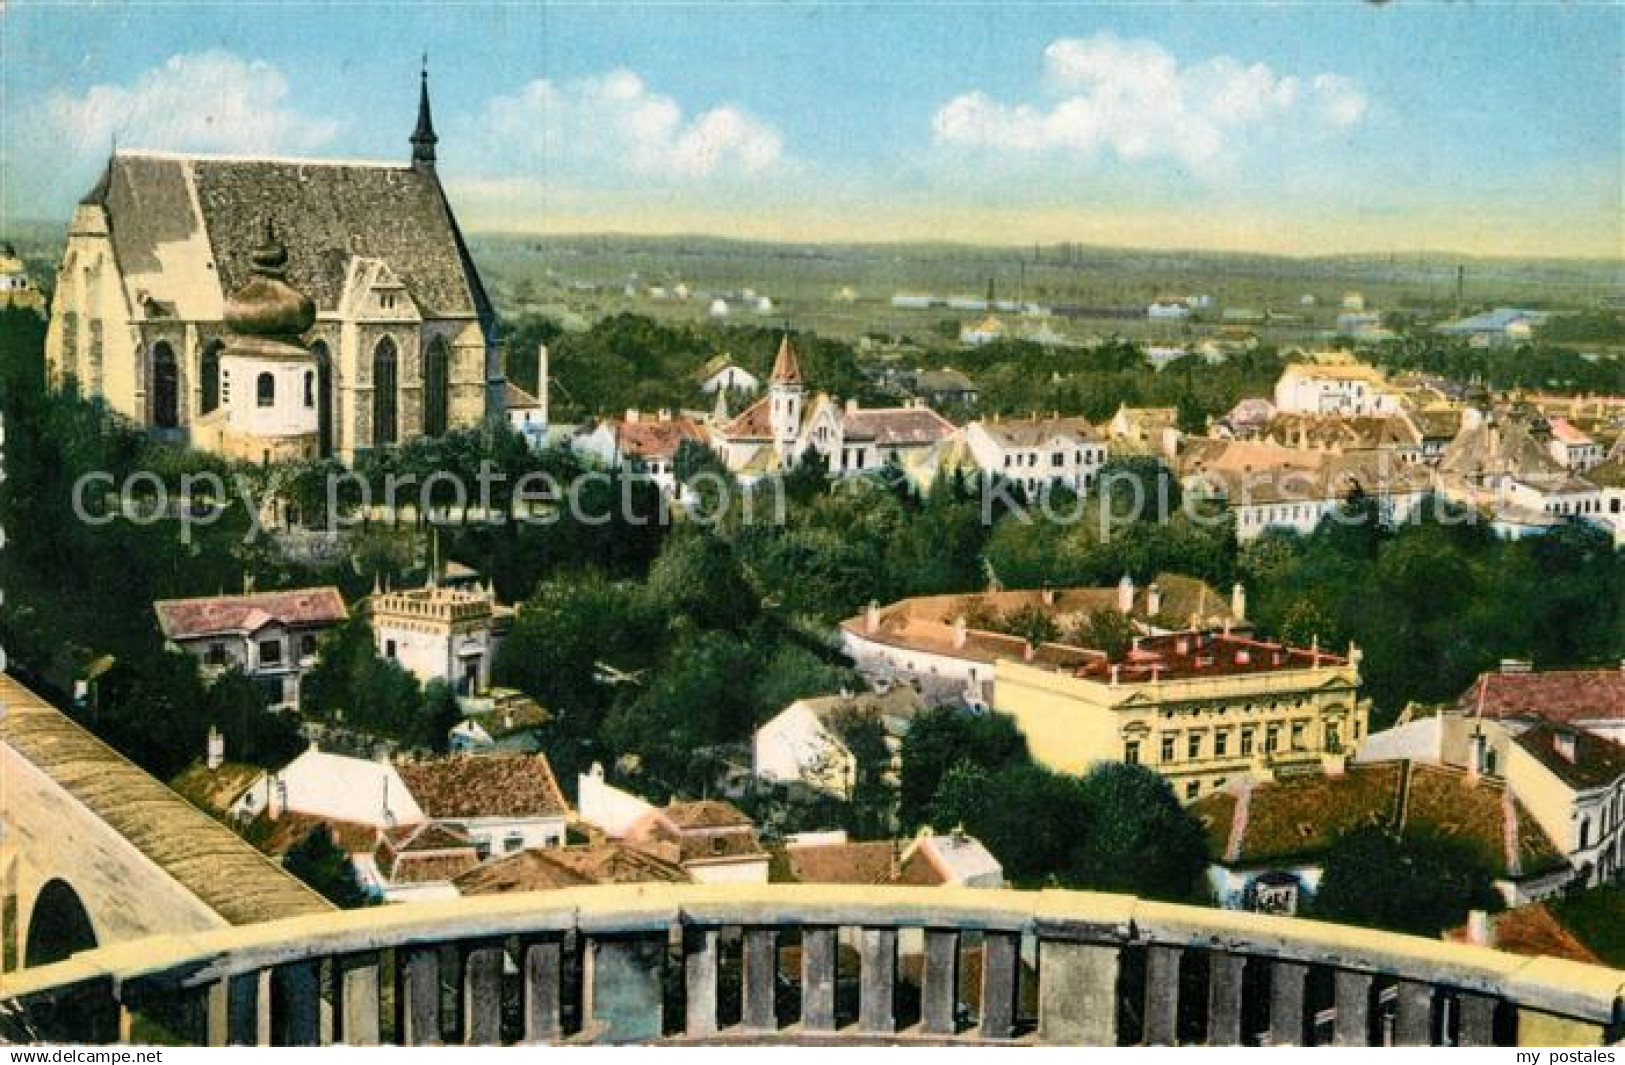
805 963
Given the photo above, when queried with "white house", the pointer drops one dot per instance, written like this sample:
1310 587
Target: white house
647 442
803 742
442 633
331 787
1573 449
271 636
1335 387
1036 451
723 374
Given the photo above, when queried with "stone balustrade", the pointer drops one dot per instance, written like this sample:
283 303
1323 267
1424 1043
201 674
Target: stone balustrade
808 964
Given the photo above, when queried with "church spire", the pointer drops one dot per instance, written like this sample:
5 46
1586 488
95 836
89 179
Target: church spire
423 138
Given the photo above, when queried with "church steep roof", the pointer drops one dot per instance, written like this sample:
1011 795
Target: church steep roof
215 208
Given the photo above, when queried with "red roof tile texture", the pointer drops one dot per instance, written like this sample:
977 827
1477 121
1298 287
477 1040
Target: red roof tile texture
182 619
1562 696
465 786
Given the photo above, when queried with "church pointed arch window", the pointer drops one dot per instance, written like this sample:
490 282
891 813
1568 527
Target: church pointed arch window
385 397
265 390
166 387
436 386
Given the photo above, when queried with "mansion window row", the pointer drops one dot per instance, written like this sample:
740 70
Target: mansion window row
1249 740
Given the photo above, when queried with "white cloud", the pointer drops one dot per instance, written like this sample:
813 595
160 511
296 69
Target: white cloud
1134 100
614 124
211 101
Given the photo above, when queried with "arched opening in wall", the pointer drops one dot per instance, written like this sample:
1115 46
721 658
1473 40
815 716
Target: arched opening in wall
324 396
209 371
59 925
166 387
384 399
265 390
436 386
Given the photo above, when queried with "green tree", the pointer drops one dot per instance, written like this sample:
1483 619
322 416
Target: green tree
440 715
1419 882
943 737
319 862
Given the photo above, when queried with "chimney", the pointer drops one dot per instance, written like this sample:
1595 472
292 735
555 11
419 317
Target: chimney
1153 600
1125 594
1516 665
1478 928
276 796
959 631
216 755
1028 651
851 406
871 617
1563 742
1047 596
665 414
1238 601
632 416
1117 670
541 381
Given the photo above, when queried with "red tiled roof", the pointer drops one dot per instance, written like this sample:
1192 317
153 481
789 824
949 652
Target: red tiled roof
560 867
280 835
464 786
657 439
786 367
1597 761
1299 818
705 813
873 862
755 422
1563 696
182 619
1534 931
897 426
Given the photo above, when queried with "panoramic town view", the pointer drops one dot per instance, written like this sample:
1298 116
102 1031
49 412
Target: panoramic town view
824 524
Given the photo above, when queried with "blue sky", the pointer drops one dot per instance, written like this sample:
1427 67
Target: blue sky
1290 127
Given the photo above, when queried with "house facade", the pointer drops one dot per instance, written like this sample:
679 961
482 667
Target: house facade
441 633
1033 452
272 637
1204 709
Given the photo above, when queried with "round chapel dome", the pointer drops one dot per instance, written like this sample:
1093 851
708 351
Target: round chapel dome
266 305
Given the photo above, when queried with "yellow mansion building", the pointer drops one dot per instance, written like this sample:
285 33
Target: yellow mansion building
1203 708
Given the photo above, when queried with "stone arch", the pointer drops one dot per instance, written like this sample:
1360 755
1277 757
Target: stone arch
436 386
385 393
58 926
166 386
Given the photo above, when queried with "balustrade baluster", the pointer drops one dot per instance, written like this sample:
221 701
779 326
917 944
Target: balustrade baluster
1001 979
700 980
417 996
761 971
1226 973
357 979
1162 995
1413 1026
482 992
542 987
1477 1024
878 975
1352 1027
939 990
818 963
235 1013
1287 979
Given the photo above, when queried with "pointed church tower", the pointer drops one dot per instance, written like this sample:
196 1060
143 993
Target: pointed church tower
423 138
785 391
